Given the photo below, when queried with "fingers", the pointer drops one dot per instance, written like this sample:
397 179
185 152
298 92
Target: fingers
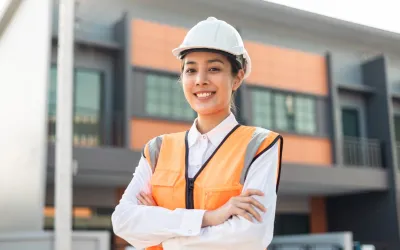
145 199
254 202
250 192
149 199
244 214
140 199
250 210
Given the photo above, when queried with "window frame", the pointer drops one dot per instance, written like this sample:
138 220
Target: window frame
102 111
273 93
171 116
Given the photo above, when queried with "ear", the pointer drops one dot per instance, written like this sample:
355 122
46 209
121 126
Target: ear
238 80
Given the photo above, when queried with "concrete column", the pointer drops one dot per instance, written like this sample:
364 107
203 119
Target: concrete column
24 72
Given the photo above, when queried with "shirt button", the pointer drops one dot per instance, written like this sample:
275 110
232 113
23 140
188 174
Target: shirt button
190 231
204 137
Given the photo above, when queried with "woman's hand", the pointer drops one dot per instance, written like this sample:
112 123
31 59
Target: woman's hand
242 205
145 199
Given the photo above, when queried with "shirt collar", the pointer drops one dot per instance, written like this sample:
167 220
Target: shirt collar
216 135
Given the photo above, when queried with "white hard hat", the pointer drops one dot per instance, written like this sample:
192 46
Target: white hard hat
218 35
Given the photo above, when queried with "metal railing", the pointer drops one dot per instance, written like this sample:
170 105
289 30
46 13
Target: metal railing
305 246
90 131
362 152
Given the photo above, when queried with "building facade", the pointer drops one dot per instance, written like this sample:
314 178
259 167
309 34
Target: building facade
331 88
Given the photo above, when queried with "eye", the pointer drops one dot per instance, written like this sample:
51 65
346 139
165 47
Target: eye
214 69
188 71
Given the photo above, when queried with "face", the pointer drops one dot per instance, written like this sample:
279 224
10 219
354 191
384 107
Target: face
208 82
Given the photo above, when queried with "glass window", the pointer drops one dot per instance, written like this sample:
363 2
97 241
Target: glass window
285 112
350 122
262 109
305 115
165 98
87 107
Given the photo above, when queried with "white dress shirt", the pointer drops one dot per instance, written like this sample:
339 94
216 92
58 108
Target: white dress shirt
144 226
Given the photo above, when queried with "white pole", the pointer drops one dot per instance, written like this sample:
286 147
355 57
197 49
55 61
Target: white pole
63 168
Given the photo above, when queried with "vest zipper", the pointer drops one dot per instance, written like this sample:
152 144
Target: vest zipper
190 198
190 181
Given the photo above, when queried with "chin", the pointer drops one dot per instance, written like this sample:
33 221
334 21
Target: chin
208 111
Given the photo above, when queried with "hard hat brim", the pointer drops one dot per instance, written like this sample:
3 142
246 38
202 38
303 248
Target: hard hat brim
178 51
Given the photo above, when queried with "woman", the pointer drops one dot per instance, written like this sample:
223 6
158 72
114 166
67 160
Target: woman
214 186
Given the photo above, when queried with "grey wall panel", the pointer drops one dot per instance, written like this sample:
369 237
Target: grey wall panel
99 167
87 196
293 205
322 117
122 86
138 94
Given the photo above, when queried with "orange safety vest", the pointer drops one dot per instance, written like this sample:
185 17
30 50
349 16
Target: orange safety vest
221 177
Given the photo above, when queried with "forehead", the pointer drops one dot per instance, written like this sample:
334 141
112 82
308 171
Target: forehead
201 57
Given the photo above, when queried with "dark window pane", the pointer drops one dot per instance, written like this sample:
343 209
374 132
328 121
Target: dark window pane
350 122
87 107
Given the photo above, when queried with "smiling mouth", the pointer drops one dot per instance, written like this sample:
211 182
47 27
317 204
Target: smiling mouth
204 94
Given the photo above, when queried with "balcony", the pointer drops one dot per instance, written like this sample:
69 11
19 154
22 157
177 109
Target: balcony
362 152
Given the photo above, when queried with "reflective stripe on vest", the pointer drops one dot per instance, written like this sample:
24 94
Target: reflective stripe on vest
221 177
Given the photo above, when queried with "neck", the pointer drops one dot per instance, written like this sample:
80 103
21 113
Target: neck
205 123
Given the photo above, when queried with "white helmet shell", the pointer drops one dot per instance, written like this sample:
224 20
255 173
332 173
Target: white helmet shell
218 35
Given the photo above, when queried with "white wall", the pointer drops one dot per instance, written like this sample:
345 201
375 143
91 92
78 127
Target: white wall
24 63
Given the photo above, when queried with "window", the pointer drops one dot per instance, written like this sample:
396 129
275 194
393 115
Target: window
87 111
165 98
305 115
350 122
262 108
282 111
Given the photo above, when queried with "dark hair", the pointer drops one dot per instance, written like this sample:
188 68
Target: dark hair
236 65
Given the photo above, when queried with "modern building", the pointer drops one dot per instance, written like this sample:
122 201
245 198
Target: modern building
332 88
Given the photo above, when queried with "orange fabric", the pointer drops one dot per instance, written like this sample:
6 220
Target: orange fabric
217 182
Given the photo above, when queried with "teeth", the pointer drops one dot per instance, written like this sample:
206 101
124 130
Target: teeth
204 94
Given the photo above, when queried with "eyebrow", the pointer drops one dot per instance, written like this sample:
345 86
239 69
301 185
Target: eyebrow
209 61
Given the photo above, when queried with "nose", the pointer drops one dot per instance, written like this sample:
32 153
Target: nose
202 78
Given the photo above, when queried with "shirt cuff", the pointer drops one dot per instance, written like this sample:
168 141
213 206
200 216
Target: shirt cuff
191 222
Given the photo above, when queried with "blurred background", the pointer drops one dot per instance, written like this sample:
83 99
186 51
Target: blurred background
330 86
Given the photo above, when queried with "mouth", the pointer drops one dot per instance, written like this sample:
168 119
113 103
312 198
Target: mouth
204 95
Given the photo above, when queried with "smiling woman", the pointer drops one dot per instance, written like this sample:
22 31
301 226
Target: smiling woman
215 185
